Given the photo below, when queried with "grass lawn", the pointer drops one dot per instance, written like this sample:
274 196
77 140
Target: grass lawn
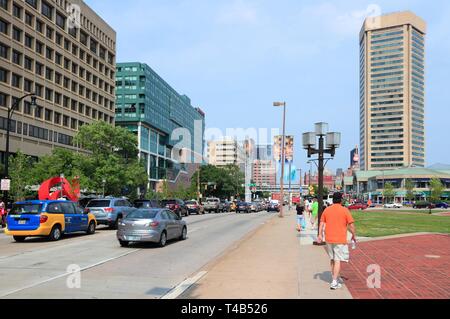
378 224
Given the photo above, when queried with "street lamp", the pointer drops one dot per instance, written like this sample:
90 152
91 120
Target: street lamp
328 143
8 128
283 154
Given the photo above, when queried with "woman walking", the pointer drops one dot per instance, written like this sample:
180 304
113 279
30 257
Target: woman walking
300 217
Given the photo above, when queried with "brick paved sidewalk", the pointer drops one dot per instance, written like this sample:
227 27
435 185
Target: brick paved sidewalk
412 267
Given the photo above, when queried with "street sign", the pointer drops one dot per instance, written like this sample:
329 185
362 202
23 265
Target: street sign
6 185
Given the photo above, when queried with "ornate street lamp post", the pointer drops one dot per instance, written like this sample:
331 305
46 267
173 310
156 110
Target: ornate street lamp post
328 143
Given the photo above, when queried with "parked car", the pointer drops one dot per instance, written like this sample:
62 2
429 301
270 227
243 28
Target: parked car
422 205
273 207
109 211
358 206
176 205
254 207
213 205
243 207
226 206
194 207
151 225
393 205
442 205
49 219
147 203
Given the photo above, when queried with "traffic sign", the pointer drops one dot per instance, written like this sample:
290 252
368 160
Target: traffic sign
6 185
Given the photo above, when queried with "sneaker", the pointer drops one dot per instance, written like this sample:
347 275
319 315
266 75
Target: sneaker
335 286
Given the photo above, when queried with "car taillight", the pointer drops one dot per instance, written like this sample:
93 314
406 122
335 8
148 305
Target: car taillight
43 219
154 224
109 210
177 206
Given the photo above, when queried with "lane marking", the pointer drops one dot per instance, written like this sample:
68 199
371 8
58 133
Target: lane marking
182 287
67 274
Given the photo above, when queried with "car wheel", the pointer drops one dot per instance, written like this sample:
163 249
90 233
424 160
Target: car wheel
124 243
91 228
19 239
183 234
163 239
55 234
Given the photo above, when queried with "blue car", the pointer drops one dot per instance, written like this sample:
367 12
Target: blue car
442 205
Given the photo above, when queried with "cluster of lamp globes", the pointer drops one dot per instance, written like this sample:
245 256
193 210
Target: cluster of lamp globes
332 139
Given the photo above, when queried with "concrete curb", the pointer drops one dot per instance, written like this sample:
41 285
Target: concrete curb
367 239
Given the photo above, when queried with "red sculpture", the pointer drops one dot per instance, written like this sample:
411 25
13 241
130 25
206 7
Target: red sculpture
71 191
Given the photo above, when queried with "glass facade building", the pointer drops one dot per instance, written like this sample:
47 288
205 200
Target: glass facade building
392 92
149 107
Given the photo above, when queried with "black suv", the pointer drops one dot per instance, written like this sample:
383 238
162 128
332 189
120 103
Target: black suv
176 205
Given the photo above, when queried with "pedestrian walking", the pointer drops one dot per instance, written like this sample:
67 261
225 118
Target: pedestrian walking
335 223
314 213
301 225
2 214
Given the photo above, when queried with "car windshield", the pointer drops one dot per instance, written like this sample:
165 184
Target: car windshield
99 203
145 204
143 214
212 200
29 209
169 202
191 203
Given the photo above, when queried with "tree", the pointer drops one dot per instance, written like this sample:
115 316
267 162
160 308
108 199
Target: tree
325 193
19 171
409 186
436 189
388 192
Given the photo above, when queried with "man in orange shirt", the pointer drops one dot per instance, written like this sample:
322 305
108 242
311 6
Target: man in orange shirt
336 221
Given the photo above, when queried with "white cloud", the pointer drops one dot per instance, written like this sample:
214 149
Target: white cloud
238 12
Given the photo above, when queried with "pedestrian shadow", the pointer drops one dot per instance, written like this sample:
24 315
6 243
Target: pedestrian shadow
325 276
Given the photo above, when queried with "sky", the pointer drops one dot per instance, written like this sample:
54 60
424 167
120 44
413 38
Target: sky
234 58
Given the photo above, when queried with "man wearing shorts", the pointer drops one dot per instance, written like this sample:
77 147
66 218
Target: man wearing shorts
336 221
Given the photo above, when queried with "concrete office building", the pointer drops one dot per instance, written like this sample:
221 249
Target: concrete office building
392 92
70 67
264 173
227 151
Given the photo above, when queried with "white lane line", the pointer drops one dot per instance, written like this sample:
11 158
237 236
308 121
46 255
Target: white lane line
185 285
67 274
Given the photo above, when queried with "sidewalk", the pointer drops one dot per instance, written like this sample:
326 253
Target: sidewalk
274 262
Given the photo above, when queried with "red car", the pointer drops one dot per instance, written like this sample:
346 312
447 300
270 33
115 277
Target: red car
358 206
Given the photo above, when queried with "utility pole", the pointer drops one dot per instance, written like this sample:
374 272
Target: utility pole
198 185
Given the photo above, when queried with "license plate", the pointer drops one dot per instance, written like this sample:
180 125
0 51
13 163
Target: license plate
133 238
22 222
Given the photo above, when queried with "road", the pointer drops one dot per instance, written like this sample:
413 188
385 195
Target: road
38 269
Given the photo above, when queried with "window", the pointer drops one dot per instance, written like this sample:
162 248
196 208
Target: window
17 34
93 46
50 33
27 109
39 68
48 115
38 89
29 19
16 80
83 38
65 121
57 118
39 26
29 41
58 58
39 47
4 51
3 99
3 26
3 75
58 38
17 11
49 53
73 124
58 98
60 20
48 73
28 63
32 3
28 85
17 57
58 78
38 112
47 10
4 4
67 44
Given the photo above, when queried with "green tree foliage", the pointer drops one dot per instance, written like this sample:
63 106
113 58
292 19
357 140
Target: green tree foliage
409 186
222 182
436 189
19 173
389 192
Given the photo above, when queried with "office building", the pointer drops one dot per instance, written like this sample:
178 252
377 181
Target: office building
226 151
354 158
264 173
264 153
392 92
149 107
69 66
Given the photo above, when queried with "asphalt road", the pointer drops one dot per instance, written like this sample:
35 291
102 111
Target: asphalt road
40 269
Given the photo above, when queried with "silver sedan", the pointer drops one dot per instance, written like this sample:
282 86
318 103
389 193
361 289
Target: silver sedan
151 225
